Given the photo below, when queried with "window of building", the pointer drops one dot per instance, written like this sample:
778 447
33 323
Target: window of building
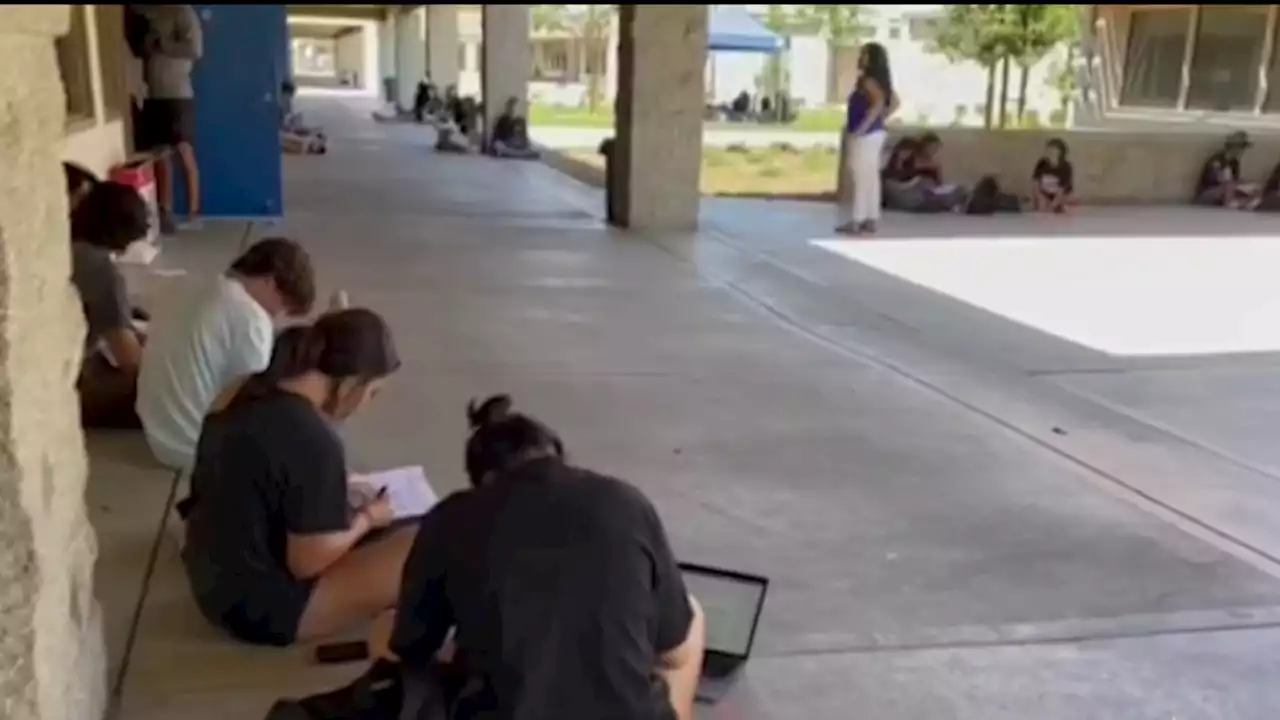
922 29
463 57
1224 66
1153 59
73 64
895 31
1272 104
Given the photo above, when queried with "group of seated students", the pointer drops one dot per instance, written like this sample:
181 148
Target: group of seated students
460 129
296 137
912 181
551 589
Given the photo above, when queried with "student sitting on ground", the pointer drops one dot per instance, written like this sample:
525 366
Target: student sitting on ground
106 220
563 592
457 136
1052 179
511 135
1219 184
913 178
214 338
296 137
274 553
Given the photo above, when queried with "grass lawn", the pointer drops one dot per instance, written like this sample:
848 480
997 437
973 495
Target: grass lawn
819 120
779 171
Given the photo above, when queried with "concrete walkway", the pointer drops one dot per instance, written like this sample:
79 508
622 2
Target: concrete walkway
952 533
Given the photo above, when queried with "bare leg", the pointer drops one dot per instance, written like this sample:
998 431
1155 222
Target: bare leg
164 188
683 666
191 173
362 585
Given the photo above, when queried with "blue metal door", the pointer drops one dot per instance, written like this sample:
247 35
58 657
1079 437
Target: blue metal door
237 133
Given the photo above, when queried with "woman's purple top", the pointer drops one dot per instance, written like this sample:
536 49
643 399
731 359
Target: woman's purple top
859 106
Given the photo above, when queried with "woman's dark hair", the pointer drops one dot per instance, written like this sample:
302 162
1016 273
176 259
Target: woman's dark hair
501 439
877 67
110 216
344 344
287 264
1059 145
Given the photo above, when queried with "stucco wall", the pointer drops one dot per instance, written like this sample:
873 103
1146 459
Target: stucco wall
1110 167
51 647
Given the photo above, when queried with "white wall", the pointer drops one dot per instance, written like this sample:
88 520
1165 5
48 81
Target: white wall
386 51
361 51
348 57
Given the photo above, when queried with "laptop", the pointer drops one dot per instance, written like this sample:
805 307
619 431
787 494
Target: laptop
731 602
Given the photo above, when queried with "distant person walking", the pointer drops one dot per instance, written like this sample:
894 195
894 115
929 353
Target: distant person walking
870 104
171 41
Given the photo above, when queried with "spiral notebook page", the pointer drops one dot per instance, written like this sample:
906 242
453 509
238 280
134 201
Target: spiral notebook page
410 493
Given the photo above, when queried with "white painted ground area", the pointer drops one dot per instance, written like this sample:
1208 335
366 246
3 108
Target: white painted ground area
1125 296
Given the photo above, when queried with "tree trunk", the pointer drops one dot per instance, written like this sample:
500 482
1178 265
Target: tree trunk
1004 92
593 76
991 96
1024 77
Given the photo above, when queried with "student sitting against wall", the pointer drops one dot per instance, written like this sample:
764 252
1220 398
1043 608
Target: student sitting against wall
1053 179
107 218
559 584
913 178
1220 184
274 552
510 137
457 136
212 339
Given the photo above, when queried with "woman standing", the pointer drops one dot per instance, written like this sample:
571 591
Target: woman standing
870 104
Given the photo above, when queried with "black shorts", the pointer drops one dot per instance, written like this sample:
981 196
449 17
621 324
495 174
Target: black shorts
166 123
259 613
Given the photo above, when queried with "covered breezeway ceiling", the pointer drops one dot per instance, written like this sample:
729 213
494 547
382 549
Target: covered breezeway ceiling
353 12
321 32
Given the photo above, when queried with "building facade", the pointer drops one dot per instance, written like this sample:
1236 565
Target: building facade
1185 63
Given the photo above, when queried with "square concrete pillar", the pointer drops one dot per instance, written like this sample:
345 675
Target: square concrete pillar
662 50
411 54
52 662
506 59
442 45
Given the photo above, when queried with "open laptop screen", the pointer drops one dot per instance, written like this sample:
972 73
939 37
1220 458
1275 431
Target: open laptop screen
732 605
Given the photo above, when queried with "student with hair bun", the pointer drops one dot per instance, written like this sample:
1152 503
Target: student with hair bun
274 553
559 584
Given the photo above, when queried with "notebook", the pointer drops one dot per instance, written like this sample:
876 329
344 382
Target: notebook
410 493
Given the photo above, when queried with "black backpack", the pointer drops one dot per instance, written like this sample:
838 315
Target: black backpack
988 198
985 198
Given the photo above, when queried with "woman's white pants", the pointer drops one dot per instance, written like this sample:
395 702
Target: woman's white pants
863 167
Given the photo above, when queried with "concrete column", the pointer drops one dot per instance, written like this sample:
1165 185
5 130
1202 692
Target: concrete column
442 44
507 58
386 53
52 662
658 150
411 54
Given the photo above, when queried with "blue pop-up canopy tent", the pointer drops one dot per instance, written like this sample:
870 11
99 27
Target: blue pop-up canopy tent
731 28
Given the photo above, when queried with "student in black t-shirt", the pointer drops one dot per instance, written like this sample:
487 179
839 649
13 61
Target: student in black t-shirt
1052 179
563 592
510 137
274 553
1220 184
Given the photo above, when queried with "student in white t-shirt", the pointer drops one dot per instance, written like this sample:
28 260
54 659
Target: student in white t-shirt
199 352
